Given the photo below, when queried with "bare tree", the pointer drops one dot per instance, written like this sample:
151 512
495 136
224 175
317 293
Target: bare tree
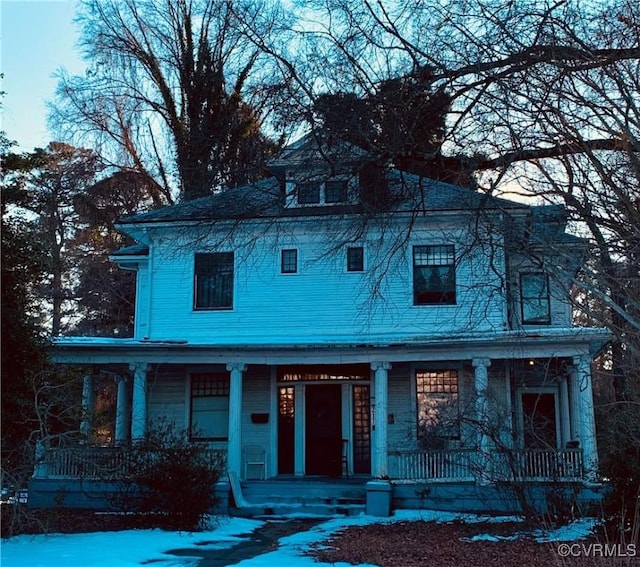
169 91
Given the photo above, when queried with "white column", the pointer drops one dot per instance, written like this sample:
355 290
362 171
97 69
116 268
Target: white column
86 425
139 409
381 404
481 386
574 404
123 426
586 420
565 423
234 445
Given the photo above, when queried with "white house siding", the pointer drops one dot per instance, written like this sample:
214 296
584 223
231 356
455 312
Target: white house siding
321 303
402 405
256 398
167 395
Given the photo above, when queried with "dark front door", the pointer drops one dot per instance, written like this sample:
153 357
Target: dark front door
539 417
323 413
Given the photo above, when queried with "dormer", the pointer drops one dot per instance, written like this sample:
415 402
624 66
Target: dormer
319 171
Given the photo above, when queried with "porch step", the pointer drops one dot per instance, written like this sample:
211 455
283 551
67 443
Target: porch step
268 510
283 497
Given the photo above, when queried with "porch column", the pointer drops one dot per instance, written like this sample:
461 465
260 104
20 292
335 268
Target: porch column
123 427
234 446
481 385
381 404
139 409
86 424
565 424
585 420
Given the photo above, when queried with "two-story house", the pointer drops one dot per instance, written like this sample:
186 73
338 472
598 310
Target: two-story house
344 319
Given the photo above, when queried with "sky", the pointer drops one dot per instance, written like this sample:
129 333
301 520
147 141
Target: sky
136 547
37 38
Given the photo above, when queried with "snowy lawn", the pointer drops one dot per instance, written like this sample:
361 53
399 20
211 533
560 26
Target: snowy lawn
136 547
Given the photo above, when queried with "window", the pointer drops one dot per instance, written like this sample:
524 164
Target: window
534 298
438 411
214 281
210 405
289 261
355 259
434 275
335 191
308 193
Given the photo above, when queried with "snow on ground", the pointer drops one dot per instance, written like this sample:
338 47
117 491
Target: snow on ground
135 547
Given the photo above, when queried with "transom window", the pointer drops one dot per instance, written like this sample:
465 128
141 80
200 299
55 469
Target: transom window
438 410
209 405
213 281
289 261
355 259
534 299
434 275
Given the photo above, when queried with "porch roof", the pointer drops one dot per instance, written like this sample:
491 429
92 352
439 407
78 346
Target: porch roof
542 343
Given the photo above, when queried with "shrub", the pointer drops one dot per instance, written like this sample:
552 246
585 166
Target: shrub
170 479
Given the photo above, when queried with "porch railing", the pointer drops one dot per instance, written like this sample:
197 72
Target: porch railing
431 465
468 465
539 464
104 463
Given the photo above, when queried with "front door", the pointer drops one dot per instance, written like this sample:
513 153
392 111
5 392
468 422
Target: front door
323 435
539 420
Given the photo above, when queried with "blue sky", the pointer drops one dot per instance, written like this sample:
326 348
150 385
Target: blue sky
38 37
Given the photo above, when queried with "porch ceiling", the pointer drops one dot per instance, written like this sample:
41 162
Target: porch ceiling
544 343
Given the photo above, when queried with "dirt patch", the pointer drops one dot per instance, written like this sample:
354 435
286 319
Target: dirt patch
427 544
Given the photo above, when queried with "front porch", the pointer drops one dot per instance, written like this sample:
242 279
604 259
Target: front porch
468 413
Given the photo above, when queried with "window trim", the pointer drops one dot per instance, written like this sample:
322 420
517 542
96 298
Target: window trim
229 307
524 300
347 260
443 294
288 271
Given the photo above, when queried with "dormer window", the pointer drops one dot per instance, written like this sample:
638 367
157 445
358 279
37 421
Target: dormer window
308 193
336 191
332 191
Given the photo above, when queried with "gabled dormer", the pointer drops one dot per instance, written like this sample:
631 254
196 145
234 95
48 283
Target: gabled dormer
322 171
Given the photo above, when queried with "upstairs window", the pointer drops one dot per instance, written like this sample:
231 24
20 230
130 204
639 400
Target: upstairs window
214 281
534 299
289 261
438 410
434 275
209 405
355 259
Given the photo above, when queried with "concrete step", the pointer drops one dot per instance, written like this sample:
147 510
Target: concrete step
270 509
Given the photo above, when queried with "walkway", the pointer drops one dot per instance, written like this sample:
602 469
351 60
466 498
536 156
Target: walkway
262 540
